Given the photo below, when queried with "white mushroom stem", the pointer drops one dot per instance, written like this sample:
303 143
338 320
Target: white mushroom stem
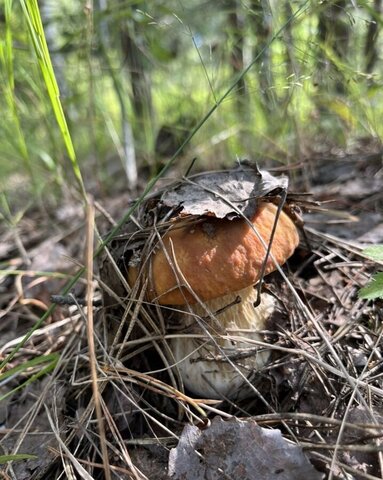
241 324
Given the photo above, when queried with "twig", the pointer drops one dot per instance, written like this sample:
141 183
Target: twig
90 335
72 300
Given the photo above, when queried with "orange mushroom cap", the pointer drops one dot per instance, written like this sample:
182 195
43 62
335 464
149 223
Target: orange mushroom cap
217 256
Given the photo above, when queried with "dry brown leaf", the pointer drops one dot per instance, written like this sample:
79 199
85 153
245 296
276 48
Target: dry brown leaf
238 449
216 193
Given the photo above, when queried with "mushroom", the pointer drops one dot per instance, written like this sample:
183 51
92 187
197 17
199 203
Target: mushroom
210 267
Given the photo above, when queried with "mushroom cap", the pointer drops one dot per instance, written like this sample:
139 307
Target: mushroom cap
214 257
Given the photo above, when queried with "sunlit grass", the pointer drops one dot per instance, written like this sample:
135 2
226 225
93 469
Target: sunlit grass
32 15
181 86
12 123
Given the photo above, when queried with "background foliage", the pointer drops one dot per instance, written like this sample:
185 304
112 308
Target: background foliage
136 77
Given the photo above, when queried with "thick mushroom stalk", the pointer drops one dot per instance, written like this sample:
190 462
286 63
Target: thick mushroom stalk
210 261
216 367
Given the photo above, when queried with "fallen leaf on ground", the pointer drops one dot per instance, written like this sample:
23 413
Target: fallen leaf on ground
238 449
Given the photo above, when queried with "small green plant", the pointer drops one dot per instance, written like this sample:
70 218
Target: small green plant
374 289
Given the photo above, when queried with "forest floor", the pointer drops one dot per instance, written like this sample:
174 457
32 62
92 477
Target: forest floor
322 392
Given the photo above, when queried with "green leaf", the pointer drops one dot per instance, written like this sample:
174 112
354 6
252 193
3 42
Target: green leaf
375 252
15 458
374 289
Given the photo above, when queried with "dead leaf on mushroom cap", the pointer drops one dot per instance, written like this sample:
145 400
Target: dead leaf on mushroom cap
238 449
221 194
224 193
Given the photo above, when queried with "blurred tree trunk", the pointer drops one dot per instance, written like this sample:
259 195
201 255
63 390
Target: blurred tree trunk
334 38
236 25
291 64
370 48
261 25
292 71
127 153
140 81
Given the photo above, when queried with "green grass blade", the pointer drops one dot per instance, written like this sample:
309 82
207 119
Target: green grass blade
32 15
51 359
6 61
16 458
